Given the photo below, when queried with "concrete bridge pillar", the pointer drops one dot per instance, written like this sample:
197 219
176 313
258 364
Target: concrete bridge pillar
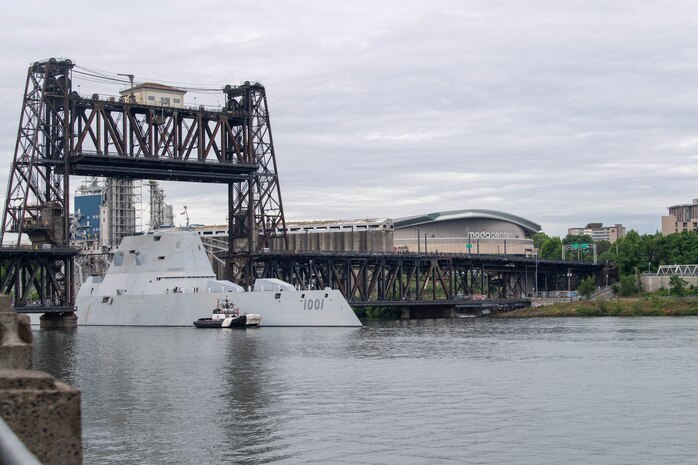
58 321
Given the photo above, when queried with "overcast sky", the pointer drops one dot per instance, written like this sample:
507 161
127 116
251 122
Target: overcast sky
563 112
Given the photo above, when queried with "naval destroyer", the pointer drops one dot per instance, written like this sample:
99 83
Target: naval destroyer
164 278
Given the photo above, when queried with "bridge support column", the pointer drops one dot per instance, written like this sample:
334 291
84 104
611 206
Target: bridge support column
58 321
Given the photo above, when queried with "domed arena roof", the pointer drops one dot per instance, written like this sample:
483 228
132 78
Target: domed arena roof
529 226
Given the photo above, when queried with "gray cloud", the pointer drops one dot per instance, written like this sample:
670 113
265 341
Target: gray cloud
561 112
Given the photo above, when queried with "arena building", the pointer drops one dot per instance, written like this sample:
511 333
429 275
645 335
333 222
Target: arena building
465 231
460 231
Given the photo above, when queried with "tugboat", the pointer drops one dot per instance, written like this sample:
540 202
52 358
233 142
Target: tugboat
227 315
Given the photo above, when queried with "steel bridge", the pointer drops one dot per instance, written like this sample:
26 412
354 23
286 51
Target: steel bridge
390 278
61 133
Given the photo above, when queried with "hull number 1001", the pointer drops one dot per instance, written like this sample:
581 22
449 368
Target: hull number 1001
314 304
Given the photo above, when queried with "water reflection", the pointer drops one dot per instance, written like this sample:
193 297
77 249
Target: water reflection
542 391
254 433
60 348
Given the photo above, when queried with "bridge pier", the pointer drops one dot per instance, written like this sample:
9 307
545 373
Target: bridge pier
58 321
428 312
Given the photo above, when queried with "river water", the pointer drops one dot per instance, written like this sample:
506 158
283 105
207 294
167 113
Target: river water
462 391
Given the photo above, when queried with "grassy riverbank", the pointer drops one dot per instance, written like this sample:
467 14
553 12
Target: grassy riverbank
641 306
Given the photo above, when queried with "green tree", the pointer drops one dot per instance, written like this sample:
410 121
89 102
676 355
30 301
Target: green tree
587 287
577 239
551 249
602 247
539 238
627 286
677 286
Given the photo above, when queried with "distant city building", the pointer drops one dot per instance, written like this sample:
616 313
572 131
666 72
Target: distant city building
87 202
681 218
599 232
152 93
466 231
105 210
161 213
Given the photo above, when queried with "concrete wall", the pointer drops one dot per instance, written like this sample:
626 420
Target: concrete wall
653 283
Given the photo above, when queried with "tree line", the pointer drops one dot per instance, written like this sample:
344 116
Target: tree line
631 253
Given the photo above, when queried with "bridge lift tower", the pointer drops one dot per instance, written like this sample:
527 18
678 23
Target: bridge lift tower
62 133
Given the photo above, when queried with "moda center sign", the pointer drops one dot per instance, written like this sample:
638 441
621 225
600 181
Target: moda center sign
490 235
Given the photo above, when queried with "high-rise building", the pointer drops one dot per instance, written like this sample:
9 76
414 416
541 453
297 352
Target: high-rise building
681 218
599 232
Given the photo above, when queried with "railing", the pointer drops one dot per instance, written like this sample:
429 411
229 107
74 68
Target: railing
681 270
12 449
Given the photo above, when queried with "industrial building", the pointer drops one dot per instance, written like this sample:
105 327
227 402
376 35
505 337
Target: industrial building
363 235
599 232
681 218
105 210
367 235
87 203
466 231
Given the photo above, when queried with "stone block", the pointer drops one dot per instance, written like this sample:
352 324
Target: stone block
15 337
44 414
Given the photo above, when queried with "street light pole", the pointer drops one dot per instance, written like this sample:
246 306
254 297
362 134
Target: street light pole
569 279
535 289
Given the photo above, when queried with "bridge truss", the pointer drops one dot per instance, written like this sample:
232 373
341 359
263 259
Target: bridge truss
405 277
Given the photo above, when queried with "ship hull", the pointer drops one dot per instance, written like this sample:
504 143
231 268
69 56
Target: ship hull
289 309
166 279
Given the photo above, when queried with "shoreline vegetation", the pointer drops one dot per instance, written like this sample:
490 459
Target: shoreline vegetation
637 306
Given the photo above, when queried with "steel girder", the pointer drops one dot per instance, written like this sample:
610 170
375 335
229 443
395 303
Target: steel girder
257 213
48 273
137 131
36 203
38 177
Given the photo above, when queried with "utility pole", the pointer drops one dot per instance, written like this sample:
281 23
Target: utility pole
131 97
